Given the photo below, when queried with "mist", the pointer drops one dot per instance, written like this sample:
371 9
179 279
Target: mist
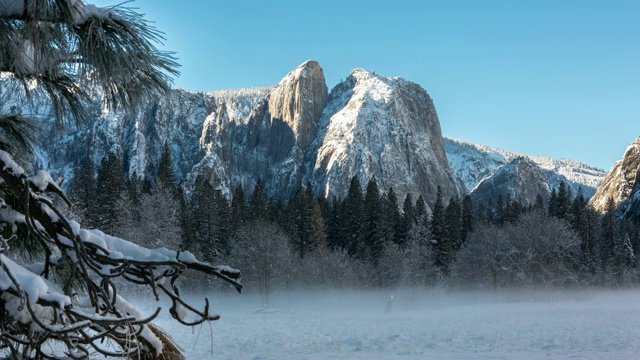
418 324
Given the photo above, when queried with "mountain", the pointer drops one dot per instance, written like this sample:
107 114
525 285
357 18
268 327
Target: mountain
288 135
293 134
520 179
620 184
473 163
385 127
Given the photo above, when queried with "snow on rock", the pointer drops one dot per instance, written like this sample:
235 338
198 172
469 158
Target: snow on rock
385 127
291 134
474 162
520 179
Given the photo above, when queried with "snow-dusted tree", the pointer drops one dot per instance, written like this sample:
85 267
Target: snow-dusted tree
57 292
262 249
160 218
536 251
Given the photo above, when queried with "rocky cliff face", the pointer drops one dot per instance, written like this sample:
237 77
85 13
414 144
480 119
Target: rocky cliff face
368 126
287 135
382 127
620 182
473 163
272 142
521 179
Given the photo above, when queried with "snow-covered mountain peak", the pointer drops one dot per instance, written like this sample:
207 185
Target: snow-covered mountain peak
474 162
520 179
308 68
384 127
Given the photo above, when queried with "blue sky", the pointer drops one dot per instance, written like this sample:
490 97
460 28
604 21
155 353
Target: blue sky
559 78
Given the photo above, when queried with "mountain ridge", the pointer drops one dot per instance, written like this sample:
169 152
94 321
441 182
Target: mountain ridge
475 162
369 125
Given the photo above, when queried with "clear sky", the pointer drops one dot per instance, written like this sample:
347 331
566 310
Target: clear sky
559 78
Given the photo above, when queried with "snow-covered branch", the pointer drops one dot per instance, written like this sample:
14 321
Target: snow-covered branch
65 47
86 308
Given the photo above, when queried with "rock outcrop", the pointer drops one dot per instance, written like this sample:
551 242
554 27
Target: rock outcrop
385 127
474 162
620 182
286 135
521 180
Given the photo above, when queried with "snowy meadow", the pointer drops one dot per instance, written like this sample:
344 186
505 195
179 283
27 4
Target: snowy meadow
425 324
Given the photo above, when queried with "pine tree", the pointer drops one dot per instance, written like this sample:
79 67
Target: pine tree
372 227
67 50
563 202
500 211
468 218
300 211
335 235
453 225
110 186
539 203
318 237
352 215
553 203
391 217
443 248
259 202
421 231
165 173
222 222
239 210
407 220
609 242
83 191
188 229
205 218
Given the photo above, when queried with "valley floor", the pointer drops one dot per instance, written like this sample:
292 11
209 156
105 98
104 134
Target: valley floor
421 325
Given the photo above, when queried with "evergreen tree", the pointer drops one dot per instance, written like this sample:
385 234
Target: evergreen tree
259 202
205 217
407 220
553 203
335 238
222 218
443 247
352 218
318 236
453 225
188 228
420 211
391 217
500 213
421 231
513 210
110 186
165 173
609 238
300 211
539 203
373 229
563 201
468 218
83 191
239 210
68 51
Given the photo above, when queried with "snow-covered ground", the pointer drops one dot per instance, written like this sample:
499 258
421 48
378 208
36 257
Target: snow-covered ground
422 325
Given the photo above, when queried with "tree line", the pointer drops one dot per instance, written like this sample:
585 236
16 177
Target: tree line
367 238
